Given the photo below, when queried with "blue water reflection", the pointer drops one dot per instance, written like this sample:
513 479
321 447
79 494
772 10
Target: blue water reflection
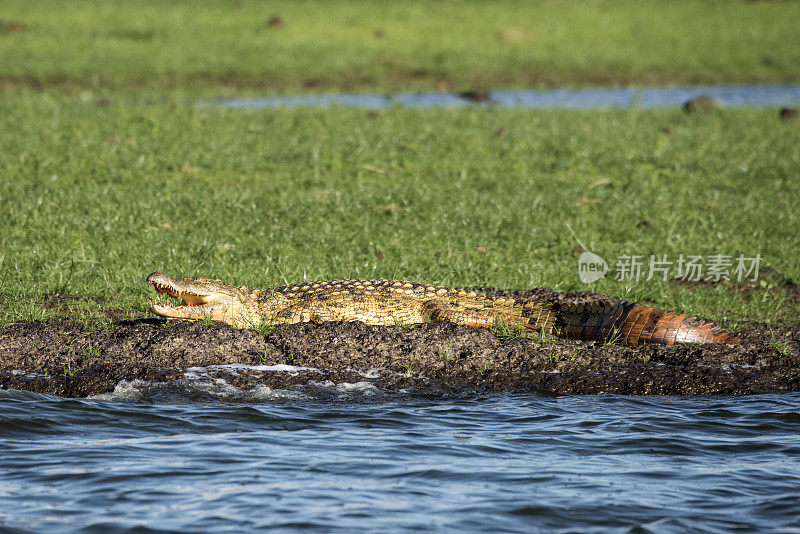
624 97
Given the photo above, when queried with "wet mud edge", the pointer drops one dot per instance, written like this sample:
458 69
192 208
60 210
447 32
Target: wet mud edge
67 359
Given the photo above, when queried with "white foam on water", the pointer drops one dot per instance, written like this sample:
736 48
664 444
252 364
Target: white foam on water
200 384
266 393
124 390
367 388
194 373
28 374
194 390
372 373
364 388
190 390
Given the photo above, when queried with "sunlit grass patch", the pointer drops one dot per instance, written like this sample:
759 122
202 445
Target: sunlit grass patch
483 198
136 47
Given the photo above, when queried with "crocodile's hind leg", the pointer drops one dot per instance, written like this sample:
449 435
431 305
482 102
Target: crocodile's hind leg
297 313
476 315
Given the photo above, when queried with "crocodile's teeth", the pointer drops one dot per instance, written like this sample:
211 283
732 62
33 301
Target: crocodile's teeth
178 312
189 299
162 310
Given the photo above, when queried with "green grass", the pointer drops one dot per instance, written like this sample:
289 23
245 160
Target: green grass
108 171
508 331
69 370
216 47
780 346
96 195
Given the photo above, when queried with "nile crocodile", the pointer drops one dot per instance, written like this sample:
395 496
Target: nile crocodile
387 302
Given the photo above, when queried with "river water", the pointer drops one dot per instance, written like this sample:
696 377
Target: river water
348 457
729 96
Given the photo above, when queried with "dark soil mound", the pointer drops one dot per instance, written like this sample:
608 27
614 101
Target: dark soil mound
70 359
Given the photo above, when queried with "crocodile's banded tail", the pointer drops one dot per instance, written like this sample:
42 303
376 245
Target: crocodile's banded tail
629 324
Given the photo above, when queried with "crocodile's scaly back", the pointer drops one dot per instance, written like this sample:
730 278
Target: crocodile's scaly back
386 302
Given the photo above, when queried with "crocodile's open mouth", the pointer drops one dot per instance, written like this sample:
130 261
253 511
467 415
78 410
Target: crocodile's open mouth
175 301
186 298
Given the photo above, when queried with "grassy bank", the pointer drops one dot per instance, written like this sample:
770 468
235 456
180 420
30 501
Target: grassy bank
96 194
221 47
108 171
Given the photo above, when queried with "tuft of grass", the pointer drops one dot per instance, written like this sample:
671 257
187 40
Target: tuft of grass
508 330
542 336
443 356
575 356
779 345
22 310
69 370
402 324
614 339
264 328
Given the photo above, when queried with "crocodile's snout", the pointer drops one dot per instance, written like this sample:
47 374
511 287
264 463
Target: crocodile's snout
162 283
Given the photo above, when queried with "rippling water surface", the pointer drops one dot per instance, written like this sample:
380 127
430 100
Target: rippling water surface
353 460
733 96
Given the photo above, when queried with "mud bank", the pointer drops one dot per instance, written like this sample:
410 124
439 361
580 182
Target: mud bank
68 359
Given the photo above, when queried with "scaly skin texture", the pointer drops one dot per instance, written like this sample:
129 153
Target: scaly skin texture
387 302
